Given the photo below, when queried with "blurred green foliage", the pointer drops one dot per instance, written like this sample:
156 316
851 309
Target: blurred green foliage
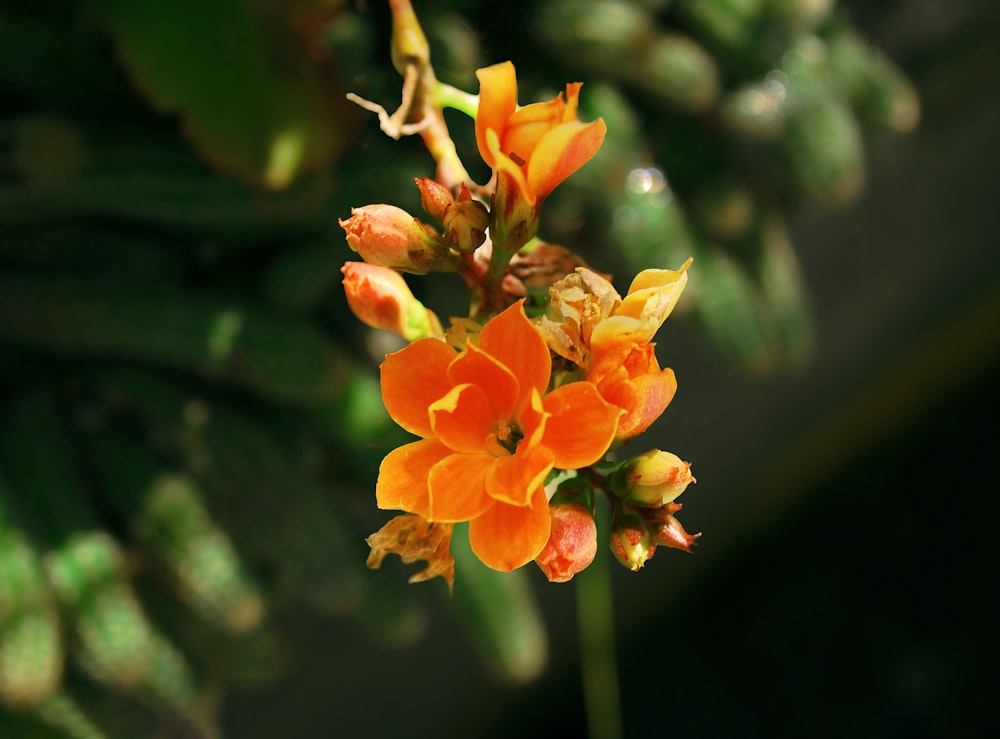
190 420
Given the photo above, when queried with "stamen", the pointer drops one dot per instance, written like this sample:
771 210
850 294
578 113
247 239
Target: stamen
508 436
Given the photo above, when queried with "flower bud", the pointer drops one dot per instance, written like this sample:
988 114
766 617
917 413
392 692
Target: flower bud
434 197
465 225
572 542
668 530
380 297
632 543
654 478
390 237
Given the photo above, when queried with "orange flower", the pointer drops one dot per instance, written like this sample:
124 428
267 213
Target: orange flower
608 337
628 375
588 316
490 436
531 149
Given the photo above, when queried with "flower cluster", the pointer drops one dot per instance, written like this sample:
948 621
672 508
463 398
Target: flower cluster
515 416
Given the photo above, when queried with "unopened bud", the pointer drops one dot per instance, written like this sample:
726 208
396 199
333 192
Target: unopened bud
434 197
572 542
654 478
465 223
632 542
380 297
390 237
668 530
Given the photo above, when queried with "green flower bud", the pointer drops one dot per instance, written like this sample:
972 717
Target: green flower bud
652 479
632 542
465 224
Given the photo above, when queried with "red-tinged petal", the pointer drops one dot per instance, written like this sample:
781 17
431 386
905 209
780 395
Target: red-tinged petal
462 420
458 488
514 479
514 341
643 398
561 152
412 379
506 537
497 102
624 360
478 367
402 476
581 427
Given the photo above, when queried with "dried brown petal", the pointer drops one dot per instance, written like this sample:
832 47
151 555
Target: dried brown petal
414 538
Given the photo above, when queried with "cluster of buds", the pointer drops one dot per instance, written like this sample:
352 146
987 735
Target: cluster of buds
646 487
515 414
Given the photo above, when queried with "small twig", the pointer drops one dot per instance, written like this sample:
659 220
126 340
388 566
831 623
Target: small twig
395 125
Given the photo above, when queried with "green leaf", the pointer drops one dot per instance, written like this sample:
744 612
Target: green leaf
249 96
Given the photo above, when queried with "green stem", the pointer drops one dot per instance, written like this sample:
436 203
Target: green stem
451 97
598 664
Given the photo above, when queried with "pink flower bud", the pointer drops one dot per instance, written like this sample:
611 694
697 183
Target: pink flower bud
390 237
654 478
380 297
434 197
572 542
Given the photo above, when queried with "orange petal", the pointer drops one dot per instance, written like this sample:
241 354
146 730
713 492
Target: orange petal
475 366
509 169
581 427
572 100
497 103
462 419
458 489
412 379
532 422
513 340
513 479
526 127
506 537
614 332
561 152
643 398
402 476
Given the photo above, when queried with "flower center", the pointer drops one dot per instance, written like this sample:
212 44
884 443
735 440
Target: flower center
507 436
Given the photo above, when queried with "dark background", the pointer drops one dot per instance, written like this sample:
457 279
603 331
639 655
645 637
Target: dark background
845 583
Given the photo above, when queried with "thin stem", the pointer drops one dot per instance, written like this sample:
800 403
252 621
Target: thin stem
412 59
452 97
598 663
492 284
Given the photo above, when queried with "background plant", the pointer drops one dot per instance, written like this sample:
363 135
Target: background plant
181 381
